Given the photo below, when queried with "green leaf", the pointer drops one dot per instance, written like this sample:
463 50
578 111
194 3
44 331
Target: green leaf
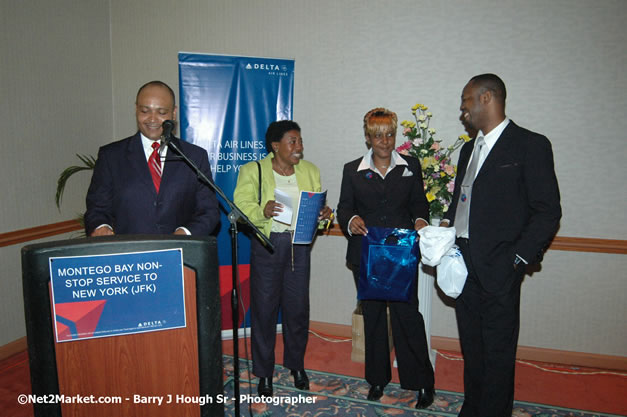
89 162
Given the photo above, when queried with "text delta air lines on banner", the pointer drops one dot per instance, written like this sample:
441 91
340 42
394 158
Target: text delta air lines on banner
226 105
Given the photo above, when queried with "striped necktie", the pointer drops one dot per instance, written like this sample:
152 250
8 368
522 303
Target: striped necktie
154 164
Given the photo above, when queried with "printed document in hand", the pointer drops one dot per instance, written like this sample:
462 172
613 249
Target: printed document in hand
286 215
309 206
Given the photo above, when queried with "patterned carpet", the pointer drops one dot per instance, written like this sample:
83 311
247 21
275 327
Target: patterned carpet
339 395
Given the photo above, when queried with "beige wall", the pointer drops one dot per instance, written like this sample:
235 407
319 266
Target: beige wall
55 98
563 62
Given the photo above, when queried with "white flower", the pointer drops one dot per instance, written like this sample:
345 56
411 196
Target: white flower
423 125
422 118
432 130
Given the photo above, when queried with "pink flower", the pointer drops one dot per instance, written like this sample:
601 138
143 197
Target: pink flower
403 147
435 146
406 131
450 186
449 170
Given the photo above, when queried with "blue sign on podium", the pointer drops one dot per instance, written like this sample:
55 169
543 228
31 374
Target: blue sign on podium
116 294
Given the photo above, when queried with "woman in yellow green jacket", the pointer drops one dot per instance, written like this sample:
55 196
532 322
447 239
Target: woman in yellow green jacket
279 278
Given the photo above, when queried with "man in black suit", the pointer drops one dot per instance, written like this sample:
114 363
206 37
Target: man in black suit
506 209
127 196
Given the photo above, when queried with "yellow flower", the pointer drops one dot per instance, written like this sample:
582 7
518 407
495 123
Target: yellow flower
429 161
438 171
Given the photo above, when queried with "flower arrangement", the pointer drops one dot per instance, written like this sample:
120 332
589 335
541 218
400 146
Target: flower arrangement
438 173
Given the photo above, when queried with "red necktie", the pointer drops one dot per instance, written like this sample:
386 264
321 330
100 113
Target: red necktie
154 164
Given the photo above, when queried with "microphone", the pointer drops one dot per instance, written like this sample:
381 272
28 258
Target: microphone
166 136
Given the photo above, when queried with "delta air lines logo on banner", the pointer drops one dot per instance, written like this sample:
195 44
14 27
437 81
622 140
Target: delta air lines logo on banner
273 69
226 105
111 295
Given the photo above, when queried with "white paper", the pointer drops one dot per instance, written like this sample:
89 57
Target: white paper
286 215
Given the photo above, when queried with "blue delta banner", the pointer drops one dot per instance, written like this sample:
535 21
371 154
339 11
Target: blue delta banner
116 294
226 105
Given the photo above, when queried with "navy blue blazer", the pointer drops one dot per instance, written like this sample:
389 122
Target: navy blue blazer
122 194
515 205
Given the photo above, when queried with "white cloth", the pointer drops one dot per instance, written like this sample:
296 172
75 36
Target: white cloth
452 272
434 243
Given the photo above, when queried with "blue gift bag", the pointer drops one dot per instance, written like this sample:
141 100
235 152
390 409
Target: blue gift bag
389 264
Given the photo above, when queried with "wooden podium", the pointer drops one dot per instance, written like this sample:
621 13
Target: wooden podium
175 372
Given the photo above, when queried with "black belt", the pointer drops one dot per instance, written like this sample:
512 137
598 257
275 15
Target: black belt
462 240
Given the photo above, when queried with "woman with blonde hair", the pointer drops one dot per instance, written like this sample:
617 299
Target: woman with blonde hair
385 189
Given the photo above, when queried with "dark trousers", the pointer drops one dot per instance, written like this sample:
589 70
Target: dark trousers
410 342
274 284
488 331
355 270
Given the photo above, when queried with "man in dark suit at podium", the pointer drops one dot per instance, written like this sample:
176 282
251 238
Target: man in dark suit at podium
506 209
140 186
